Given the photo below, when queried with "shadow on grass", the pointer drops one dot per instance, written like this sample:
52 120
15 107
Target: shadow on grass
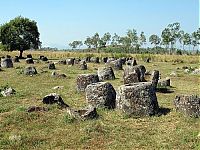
164 90
163 111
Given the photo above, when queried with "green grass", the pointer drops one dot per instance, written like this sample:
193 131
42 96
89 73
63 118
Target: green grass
112 130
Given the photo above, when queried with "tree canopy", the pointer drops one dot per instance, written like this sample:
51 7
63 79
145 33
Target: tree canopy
20 34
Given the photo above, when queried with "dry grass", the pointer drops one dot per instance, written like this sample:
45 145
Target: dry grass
112 130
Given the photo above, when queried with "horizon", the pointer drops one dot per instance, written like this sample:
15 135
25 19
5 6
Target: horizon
62 22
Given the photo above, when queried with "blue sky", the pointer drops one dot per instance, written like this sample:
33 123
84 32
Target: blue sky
62 21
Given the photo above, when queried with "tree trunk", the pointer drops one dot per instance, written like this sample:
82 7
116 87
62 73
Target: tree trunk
20 53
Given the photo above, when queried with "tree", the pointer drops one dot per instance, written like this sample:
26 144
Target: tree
95 40
195 38
142 39
175 33
186 39
154 39
105 39
88 42
20 34
166 38
115 40
76 44
126 42
132 35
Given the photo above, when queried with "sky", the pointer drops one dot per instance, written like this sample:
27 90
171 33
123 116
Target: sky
63 21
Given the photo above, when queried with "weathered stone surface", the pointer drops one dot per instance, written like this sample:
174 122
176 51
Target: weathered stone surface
138 99
95 59
6 63
54 98
110 59
41 56
8 92
30 70
196 71
83 114
101 94
131 78
173 73
77 61
116 64
70 61
63 62
15 59
58 75
106 73
142 73
131 62
164 83
155 78
44 58
36 109
57 87
51 66
130 70
123 60
83 65
189 105
84 80
29 61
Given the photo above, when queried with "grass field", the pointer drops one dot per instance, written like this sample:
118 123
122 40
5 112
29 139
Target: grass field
112 130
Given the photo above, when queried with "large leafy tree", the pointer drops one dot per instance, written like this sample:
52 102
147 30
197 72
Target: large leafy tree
175 33
88 42
95 40
106 39
75 44
154 39
20 34
195 38
115 40
132 35
142 39
166 38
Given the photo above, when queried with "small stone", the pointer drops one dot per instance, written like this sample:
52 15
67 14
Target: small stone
83 65
63 62
36 108
173 73
58 75
58 87
29 61
51 66
8 92
30 70
6 63
54 98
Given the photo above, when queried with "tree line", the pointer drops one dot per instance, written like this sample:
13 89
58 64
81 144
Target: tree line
132 41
